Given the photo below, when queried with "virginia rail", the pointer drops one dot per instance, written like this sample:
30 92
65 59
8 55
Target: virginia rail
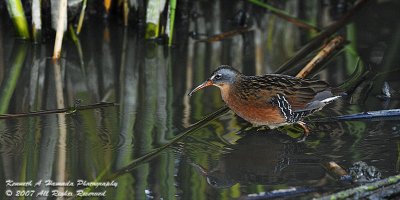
273 100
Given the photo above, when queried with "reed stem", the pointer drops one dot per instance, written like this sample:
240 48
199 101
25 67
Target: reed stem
16 12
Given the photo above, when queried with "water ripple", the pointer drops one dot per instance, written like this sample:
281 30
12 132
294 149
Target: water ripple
12 140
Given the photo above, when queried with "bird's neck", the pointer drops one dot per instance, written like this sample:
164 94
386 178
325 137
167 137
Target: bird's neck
225 91
228 90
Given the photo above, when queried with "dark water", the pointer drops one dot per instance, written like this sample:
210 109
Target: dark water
224 159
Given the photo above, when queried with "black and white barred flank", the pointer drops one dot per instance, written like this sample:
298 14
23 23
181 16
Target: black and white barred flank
295 116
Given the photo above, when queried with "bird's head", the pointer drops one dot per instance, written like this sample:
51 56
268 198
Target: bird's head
222 77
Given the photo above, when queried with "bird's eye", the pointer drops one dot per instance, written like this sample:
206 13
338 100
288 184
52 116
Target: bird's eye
218 76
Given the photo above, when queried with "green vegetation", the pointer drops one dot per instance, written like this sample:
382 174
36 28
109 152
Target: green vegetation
17 15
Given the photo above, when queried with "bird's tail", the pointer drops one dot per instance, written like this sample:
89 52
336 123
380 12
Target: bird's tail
330 99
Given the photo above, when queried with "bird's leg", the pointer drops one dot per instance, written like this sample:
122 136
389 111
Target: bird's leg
306 130
262 128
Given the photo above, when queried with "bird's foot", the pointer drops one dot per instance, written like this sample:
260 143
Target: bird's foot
302 139
306 131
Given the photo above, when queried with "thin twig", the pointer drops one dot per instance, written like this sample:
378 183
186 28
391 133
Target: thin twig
225 35
62 110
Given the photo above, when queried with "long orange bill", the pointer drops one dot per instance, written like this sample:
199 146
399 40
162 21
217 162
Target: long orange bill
203 85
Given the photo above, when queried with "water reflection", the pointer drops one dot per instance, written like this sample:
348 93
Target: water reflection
13 143
149 83
265 158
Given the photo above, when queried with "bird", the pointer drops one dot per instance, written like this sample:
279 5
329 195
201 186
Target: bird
271 100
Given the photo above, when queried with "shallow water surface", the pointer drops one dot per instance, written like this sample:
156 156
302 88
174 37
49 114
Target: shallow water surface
133 148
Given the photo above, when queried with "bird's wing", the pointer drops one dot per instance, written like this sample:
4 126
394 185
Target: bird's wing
300 93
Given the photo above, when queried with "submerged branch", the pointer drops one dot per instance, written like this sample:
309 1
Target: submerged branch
393 114
371 115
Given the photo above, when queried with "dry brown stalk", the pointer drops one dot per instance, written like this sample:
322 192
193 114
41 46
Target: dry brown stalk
324 53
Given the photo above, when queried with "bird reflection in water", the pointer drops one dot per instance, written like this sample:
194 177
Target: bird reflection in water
264 159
